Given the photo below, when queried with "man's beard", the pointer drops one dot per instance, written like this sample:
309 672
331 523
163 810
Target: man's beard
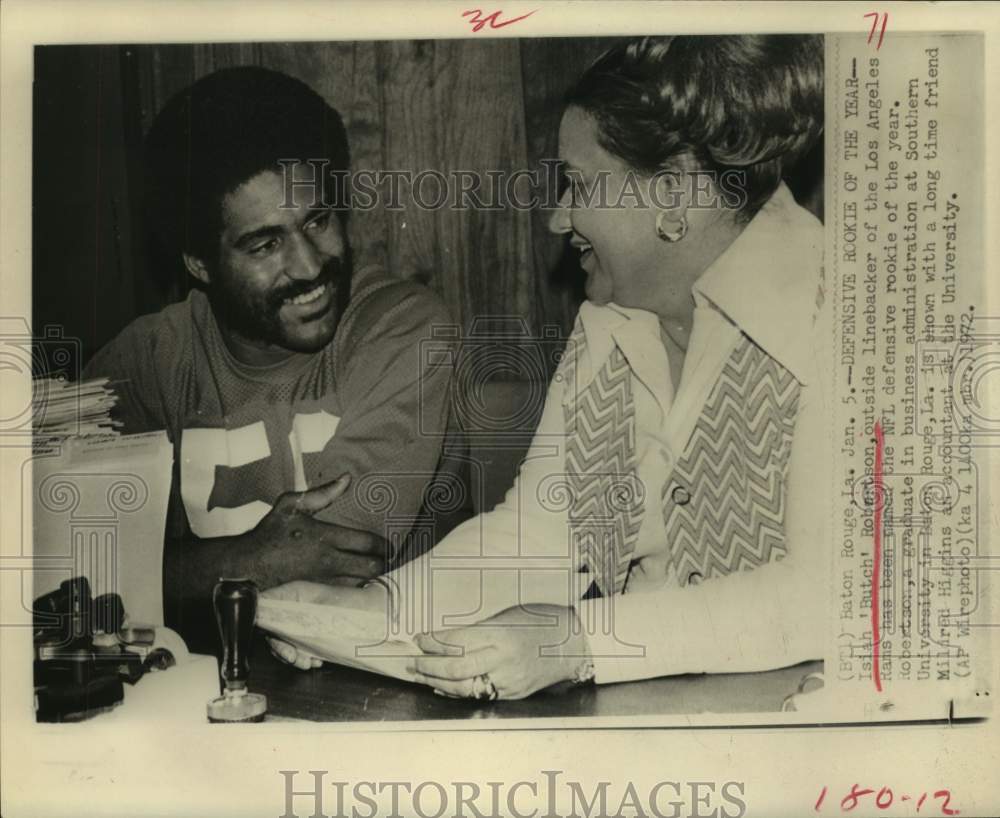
256 316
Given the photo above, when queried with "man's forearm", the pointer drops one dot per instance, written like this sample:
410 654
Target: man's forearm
287 544
193 565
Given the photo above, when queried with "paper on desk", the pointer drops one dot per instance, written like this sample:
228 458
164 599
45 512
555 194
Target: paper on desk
345 636
99 507
177 695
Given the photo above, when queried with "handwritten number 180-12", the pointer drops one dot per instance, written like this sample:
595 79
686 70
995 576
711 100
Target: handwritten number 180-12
884 799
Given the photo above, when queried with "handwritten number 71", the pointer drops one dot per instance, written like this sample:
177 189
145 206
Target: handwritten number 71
876 16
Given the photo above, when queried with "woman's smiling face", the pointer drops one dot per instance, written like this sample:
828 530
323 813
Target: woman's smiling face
616 230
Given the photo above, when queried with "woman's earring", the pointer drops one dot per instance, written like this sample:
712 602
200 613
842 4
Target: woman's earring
674 235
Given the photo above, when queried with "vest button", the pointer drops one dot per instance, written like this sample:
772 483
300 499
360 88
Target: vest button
694 578
680 495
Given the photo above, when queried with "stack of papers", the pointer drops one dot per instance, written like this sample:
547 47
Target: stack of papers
61 409
333 633
99 500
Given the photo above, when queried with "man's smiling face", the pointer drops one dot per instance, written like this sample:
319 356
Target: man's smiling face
282 272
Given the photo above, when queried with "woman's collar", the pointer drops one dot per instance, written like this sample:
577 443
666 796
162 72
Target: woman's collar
769 282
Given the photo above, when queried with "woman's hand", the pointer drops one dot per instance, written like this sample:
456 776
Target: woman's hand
523 649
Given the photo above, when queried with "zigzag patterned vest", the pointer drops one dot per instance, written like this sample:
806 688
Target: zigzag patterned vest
723 504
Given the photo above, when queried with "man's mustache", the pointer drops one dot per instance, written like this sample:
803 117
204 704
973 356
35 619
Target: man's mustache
330 273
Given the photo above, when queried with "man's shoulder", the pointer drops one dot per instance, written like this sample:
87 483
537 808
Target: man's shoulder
379 292
174 321
399 307
165 337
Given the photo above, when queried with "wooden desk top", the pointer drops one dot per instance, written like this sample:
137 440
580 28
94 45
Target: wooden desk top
336 693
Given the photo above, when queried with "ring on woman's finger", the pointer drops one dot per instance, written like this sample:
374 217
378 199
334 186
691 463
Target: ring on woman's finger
483 688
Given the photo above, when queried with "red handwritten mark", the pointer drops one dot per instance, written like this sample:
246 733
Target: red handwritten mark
877 567
945 809
850 801
881 35
883 799
478 21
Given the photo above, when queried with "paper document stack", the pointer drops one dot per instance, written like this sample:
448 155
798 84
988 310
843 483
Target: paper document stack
61 409
98 499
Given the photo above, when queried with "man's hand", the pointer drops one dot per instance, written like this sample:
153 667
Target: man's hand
520 654
287 652
315 593
289 543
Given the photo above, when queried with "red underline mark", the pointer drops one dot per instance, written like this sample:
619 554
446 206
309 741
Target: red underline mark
877 499
478 21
